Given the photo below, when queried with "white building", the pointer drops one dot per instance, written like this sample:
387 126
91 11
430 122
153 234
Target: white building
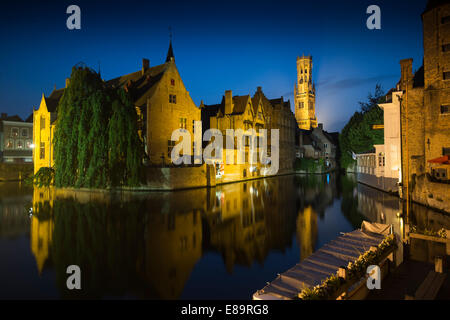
381 167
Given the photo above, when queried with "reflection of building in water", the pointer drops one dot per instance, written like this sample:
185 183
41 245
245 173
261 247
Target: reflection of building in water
238 228
14 207
41 225
250 219
173 245
381 207
306 231
319 191
41 240
425 218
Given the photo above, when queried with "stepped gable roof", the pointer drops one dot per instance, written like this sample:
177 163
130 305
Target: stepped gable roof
140 85
280 102
276 101
53 100
265 102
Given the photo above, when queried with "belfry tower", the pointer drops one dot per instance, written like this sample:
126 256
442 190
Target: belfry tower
305 94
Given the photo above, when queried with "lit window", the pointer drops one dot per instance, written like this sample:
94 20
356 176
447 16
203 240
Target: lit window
42 123
14 132
28 144
19 144
42 151
183 123
170 145
10 144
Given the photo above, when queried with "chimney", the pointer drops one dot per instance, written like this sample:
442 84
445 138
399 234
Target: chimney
406 80
228 102
145 65
67 82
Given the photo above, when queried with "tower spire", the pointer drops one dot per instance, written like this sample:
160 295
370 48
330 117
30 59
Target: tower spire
170 56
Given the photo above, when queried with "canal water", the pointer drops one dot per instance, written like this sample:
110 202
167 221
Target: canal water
219 243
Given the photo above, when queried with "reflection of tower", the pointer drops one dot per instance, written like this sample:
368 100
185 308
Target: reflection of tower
41 239
305 94
306 232
42 225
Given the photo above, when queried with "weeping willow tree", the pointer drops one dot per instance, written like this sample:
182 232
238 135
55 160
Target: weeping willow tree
96 142
125 146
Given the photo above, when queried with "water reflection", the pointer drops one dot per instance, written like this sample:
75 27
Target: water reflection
15 201
164 245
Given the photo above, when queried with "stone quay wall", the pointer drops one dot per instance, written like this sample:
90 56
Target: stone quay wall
382 183
15 171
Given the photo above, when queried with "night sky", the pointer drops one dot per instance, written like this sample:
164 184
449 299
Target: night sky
218 45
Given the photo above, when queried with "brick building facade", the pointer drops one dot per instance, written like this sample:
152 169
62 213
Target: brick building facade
425 114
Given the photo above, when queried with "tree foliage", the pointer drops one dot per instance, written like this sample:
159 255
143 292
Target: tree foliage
358 134
44 177
95 131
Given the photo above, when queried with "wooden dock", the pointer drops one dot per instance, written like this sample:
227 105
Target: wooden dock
320 265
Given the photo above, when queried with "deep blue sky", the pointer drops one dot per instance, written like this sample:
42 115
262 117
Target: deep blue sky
218 45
